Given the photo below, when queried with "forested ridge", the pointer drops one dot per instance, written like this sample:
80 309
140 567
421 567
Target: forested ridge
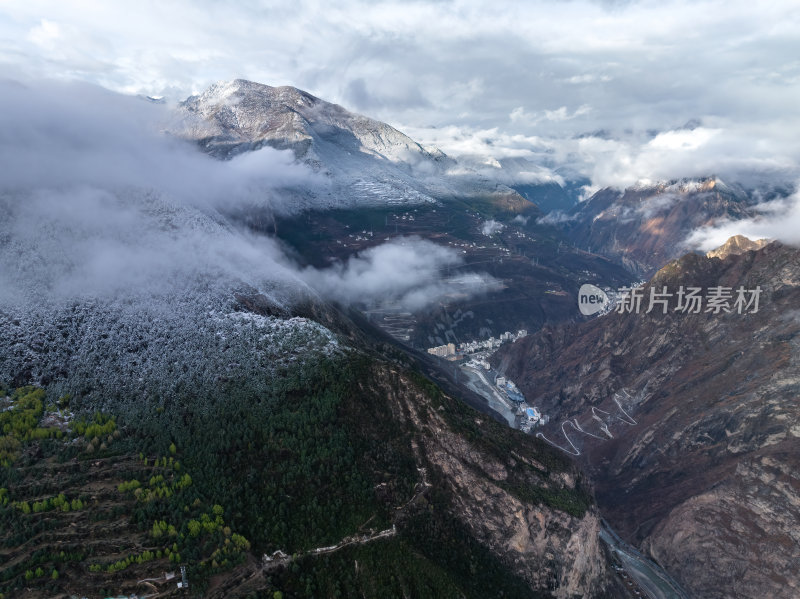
215 479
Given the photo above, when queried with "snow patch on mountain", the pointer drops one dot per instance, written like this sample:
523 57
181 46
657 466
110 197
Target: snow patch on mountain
104 352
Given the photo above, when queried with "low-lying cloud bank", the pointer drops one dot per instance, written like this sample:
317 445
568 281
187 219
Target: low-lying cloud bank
408 272
779 219
98 202
61 135
754 155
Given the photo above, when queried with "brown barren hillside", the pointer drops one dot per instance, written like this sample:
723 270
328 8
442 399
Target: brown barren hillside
688 423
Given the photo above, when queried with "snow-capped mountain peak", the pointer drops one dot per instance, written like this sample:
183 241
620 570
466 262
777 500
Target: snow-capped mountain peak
285 116
365 162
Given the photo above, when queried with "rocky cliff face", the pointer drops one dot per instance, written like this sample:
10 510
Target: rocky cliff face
687 423
645 228
504 488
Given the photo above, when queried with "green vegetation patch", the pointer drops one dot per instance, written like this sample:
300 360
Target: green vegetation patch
19 423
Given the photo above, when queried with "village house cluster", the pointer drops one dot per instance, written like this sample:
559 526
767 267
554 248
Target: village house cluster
451 351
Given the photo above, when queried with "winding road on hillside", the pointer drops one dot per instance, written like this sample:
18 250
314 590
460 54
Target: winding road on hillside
573 422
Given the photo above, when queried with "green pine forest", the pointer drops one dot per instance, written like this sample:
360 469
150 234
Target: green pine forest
214 479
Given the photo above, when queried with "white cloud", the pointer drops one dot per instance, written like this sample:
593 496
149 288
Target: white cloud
682 140
554 218
45 35
563 114
56 135
466 141
779 219
99 202
491 226
587 78
736 152
518 114
407 272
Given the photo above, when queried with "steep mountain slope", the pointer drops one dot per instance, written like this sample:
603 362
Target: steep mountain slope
199 403
303 447
364 161
687 422
644 228
233 358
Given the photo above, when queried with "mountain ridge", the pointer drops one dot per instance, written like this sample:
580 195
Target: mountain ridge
696 409
644 227
364 161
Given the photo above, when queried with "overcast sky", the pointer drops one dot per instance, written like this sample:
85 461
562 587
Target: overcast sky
619 91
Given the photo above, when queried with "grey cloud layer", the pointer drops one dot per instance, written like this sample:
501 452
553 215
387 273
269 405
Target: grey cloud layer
66 134
494 79
611 92
97 202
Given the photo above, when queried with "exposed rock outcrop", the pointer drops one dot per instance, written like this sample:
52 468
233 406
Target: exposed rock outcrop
738 244
551 549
